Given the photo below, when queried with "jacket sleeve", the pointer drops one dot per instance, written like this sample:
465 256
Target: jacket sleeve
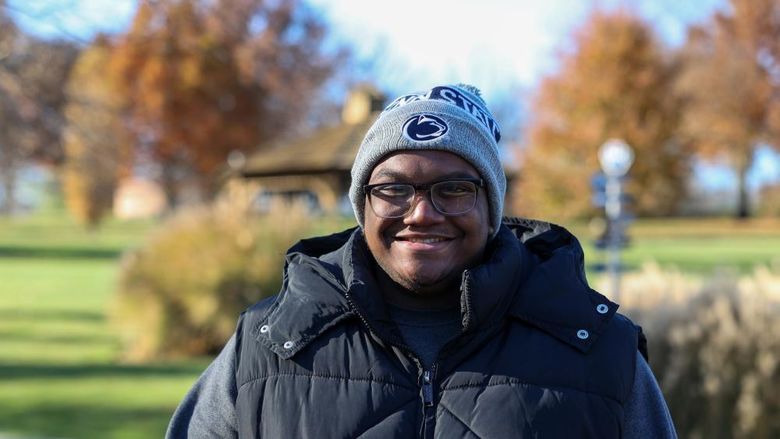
646 413
209 408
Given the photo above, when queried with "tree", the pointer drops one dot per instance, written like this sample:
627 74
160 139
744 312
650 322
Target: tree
31 98
615 83
94 151
204 78
9 113
731 82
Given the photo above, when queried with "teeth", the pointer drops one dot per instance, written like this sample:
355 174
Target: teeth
426 240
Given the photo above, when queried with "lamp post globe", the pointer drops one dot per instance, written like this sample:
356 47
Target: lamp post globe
616 157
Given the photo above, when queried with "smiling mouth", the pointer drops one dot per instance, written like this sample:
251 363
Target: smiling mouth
423 243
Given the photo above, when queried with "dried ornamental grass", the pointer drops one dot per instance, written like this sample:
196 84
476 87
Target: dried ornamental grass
715 347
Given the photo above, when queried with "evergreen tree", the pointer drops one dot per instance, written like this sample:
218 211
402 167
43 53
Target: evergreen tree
94 152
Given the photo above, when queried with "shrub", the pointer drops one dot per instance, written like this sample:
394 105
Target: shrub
714 348
181 293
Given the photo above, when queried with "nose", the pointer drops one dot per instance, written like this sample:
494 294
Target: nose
423 212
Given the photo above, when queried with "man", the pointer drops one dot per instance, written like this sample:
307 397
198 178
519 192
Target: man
433 318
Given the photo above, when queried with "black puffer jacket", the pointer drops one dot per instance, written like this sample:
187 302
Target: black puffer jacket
540 354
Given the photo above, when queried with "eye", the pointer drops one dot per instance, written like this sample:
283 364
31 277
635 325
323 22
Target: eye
392 191
452 189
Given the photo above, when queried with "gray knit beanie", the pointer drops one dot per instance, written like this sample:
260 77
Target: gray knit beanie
451 118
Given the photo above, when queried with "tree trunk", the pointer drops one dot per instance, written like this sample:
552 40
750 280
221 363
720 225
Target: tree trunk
8 173
743 200
8 205
170 187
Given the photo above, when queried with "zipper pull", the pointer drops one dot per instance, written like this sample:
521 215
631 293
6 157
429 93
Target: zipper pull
427 388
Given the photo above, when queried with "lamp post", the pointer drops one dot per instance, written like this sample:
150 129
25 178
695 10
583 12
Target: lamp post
616 157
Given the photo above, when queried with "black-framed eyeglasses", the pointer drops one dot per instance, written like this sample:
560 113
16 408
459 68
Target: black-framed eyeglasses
449 197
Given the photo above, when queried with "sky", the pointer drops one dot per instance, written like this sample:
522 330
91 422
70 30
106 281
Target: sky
490 43
501 46
411 44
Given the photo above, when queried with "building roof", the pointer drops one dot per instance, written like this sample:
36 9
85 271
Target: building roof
330 149
326 150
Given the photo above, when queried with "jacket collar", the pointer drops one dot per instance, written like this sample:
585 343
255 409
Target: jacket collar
329 279
312 298
556 297
487 289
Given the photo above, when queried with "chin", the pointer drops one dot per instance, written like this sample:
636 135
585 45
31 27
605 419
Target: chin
427 284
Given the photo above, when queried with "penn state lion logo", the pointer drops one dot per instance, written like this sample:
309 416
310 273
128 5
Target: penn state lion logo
424 127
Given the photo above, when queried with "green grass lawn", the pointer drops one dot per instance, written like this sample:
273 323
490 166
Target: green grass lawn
59 370
697 246
59 374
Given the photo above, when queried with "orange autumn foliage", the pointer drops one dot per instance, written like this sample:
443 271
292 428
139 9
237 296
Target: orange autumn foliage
615 83
205 78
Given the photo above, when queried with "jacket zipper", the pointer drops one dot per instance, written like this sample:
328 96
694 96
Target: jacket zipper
465 291
427 388
428 377
429 409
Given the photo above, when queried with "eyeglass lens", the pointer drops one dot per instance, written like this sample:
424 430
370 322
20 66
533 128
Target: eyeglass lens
448 198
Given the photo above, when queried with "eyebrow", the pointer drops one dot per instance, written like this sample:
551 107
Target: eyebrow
401 177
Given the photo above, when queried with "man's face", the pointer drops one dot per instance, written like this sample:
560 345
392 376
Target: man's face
426 251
